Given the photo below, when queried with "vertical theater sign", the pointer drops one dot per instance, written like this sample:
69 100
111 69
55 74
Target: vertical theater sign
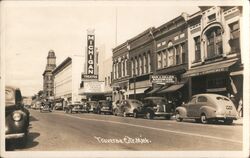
90 72
91 86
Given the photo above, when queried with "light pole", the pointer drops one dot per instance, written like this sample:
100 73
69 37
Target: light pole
134 78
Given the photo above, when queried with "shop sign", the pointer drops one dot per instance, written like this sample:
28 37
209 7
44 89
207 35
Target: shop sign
209 71
85 76
162 79
94 87
90 54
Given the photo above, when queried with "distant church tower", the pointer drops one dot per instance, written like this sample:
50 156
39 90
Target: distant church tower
48 80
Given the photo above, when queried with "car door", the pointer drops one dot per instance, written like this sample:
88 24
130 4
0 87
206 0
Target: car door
201 101
190 107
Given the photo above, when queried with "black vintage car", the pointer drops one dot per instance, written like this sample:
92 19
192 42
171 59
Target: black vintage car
156 107
76 107
16 116
104 106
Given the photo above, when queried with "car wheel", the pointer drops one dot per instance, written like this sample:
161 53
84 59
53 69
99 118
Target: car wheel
178 117
149 115
135 114
228 121
204 119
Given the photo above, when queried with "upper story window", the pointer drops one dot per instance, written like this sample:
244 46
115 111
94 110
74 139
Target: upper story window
159 60
132 67
197 43
211 17
149 62
136 66
171 56
178 54
214 42
140 65
183 53
144 63
164 58
234 41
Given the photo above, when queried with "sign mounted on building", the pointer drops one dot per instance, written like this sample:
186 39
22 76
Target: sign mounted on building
93 87
90 70
90 54
85 76
162 79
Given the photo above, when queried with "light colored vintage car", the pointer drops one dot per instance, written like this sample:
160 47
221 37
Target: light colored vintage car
207 107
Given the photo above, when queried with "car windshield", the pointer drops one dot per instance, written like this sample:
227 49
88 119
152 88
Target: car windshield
222 98
92 103
9 97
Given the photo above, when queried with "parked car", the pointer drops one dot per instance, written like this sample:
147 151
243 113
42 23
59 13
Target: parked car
76 107
104 106
156 107
207 107
37 105
128 107
16 116
46 106
92 105
58 106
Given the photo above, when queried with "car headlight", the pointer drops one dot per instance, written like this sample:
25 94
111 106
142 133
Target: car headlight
17 116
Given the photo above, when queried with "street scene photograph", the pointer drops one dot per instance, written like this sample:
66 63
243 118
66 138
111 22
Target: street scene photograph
130 78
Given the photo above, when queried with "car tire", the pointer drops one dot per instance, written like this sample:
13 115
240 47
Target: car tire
228 121
204 119
178 117
149 115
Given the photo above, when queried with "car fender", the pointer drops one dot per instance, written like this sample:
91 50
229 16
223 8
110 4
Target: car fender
208 111
182 111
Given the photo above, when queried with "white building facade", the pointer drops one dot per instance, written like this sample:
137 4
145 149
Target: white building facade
67 78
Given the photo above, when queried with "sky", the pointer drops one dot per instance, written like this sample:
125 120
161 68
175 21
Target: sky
30 29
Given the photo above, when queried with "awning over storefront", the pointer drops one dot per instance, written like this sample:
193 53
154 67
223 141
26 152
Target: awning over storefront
172 88
209 68
138 91
154 90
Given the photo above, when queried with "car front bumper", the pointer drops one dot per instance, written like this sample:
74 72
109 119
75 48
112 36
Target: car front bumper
226 117
14 136
163 114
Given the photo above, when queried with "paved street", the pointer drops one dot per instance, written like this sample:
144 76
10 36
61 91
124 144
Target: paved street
58 131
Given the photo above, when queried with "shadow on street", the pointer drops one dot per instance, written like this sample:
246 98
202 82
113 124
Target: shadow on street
11 145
